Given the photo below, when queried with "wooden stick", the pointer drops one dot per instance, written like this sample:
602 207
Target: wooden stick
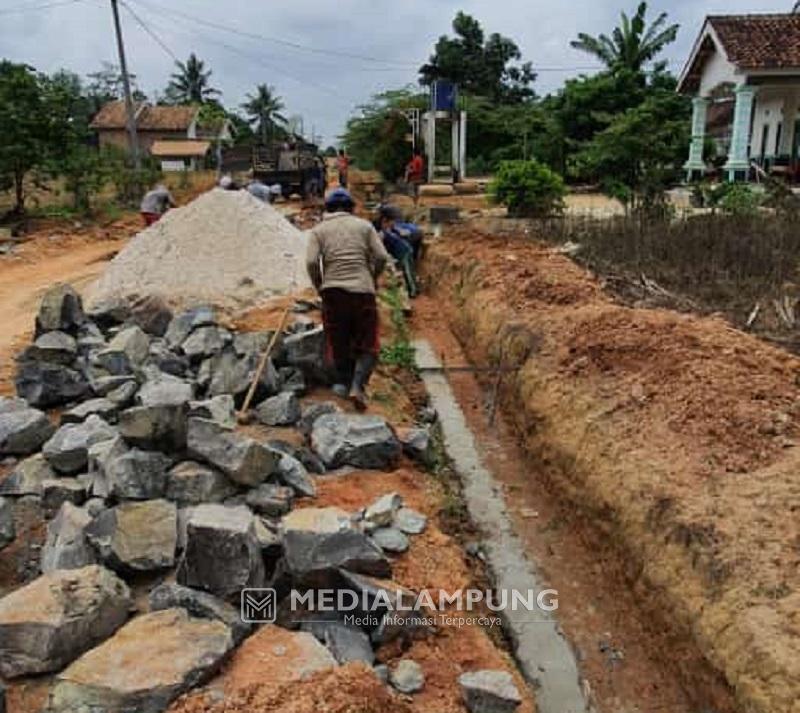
272 342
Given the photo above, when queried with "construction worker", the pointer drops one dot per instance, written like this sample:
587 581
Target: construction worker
259 190
345 257
397 246
343 166
155 203
415 173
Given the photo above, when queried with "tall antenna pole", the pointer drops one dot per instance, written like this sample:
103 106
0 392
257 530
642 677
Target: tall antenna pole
126 84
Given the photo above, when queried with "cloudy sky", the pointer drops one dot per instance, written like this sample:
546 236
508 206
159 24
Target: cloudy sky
324 58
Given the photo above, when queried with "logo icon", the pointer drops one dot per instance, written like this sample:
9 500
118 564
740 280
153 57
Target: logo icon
258 606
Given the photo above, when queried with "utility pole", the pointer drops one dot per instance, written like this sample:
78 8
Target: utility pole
126 84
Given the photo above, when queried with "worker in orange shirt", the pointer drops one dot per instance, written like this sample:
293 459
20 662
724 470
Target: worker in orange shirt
415 173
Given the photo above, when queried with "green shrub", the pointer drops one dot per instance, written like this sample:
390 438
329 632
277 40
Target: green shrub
739 199
528 189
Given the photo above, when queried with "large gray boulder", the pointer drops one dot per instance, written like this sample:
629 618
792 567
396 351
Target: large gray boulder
68 450
318 541
191 483
66 546
306 351
54 619
280 410
222 555
242 459
136 536
23 430
54 347
489 692
61 309
161 428
7 529
358 440
44 385
27 477
170 653
199 604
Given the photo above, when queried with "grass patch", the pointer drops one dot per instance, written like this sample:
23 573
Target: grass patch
399 352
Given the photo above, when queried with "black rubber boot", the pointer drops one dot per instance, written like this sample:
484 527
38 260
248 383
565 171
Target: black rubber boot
365 365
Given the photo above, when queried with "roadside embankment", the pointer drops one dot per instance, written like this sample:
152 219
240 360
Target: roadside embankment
673 435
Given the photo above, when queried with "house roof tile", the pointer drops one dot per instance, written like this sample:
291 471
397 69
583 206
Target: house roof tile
148 118
760 41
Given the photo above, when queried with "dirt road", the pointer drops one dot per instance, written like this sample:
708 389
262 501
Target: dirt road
47 259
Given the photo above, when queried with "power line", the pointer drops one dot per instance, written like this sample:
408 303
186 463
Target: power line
28 7
150 32
268 38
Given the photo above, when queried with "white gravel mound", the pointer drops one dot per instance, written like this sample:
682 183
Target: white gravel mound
225 248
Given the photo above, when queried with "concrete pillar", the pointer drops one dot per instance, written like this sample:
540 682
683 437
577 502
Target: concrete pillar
738 165
462 144
695 165
790 107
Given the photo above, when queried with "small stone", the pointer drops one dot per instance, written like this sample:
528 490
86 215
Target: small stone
382 512
222 554
205 342
199 604
165 391
53 347
306 351
348 644
390 540
280 410
221 409
110 312
23 430
191 483
136 536
407 677
319 541
58 491
161 428
270 500
182 325
416 443
44 385
314 410
362 441
292 472
133 342
242 459
54 619
410 521
104 408
136 474
382 672
123 395
292 380
489 692
61 309
151 314
66 546
27 478
7 529
68 450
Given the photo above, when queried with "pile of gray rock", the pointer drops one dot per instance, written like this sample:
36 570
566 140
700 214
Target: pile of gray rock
146 482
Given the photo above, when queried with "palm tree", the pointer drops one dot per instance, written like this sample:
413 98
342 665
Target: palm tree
264 110
632 44
190 84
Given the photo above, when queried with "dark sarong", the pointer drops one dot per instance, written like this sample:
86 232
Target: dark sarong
351 327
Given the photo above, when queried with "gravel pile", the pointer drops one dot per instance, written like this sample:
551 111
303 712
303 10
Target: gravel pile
226 248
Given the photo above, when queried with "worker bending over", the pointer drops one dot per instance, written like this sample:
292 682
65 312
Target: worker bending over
397 246
345 257
155 203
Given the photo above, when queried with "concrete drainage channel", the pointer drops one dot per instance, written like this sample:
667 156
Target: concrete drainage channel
543 653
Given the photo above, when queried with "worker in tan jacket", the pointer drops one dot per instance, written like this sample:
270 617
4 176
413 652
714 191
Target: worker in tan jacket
345 257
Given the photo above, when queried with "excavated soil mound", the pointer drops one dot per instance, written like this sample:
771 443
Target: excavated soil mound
676 436
225 247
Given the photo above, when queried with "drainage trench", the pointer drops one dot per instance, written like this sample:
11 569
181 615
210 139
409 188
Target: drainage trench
543 653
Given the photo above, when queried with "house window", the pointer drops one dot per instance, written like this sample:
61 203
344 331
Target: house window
764 141
778 137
